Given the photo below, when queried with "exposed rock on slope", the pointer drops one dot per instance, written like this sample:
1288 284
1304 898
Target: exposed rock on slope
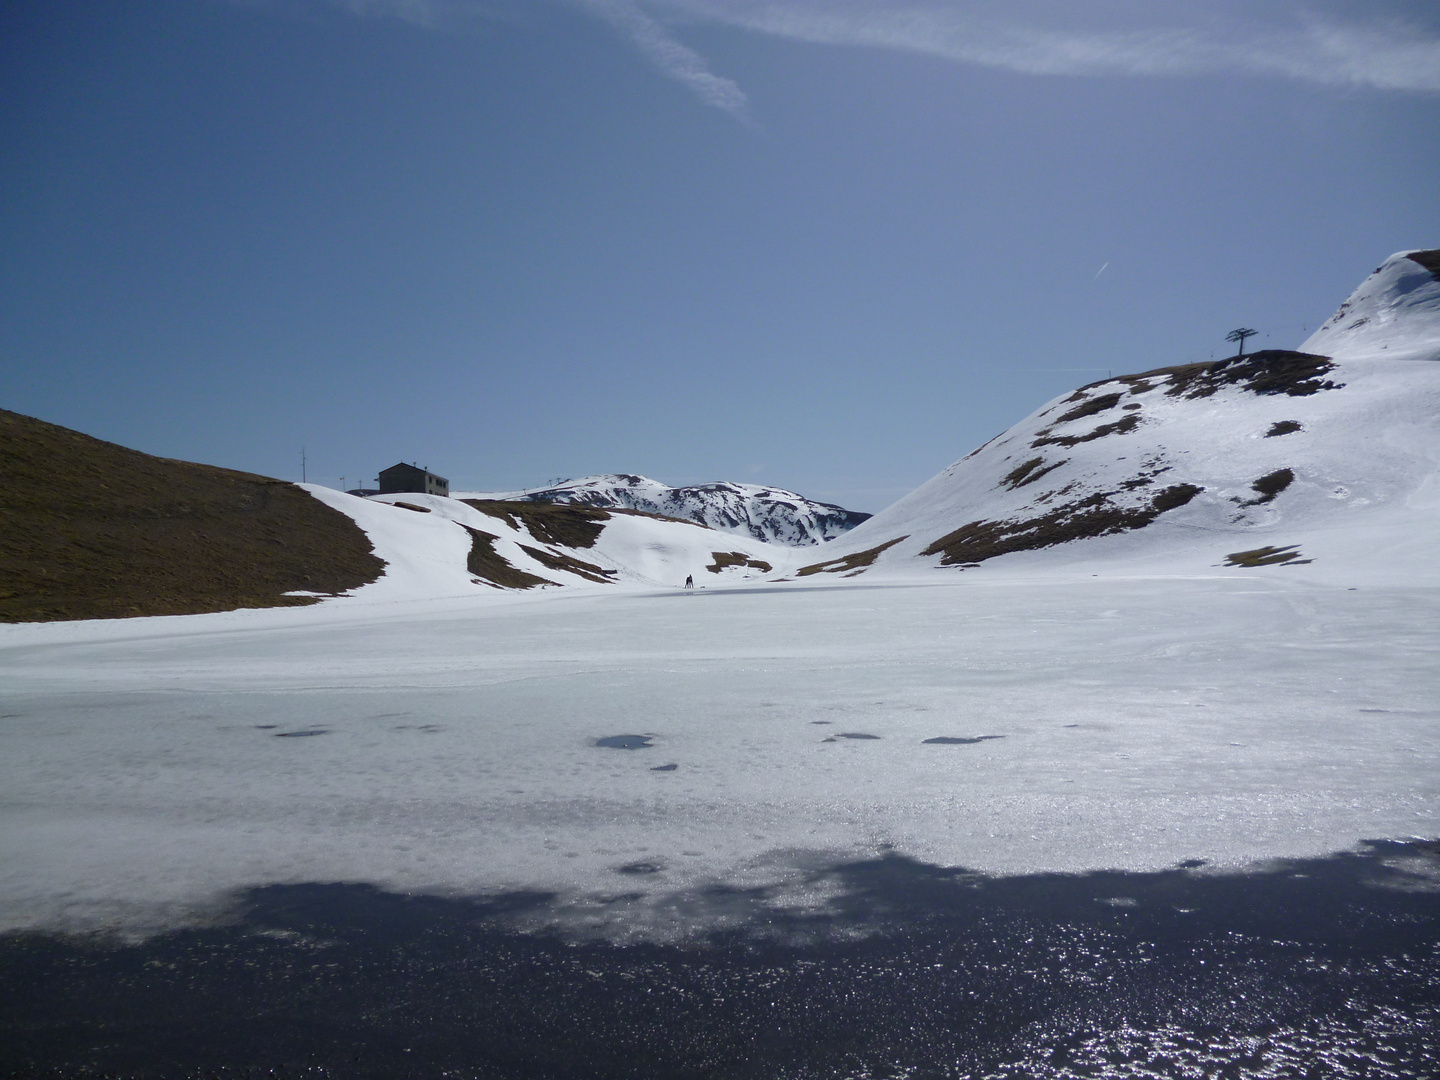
770 514
91 530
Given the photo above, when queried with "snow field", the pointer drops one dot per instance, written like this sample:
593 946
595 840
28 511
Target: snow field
1235 716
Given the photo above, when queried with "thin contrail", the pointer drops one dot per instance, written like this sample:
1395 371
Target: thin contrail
1099 272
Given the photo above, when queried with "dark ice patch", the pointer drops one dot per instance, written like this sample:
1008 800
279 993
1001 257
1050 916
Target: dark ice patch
665 768
625 742
857 735
300 734
638 868
952 740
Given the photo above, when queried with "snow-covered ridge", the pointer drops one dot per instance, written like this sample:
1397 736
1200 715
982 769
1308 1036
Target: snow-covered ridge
1394 314
771 514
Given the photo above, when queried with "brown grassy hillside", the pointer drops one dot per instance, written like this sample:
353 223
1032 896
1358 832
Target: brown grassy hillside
91 530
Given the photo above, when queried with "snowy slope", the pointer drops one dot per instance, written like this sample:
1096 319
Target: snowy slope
763 513
429 542
1327 461
1394 314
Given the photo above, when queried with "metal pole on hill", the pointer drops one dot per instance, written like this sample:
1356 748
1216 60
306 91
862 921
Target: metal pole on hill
302 464
1239 336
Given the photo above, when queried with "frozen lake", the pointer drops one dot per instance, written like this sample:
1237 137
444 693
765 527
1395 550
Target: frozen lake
151 767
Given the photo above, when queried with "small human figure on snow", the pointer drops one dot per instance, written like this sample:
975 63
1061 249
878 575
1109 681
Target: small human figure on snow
689 581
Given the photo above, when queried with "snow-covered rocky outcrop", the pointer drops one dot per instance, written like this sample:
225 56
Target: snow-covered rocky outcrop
1243 462
770 514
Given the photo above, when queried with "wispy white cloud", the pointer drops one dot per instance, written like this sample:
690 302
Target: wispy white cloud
443 15
1036 37
667 53
429 13
1051 39
632 18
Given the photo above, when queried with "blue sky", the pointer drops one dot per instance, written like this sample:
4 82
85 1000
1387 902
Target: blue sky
822 244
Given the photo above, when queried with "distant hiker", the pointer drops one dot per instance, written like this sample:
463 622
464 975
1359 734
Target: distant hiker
689 581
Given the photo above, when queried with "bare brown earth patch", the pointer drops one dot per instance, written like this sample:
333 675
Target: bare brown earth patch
1028 472
859 561
1092 516
1016 476
412 506
1267 556
1270 485
557 560
1116 427
736 558
486 563
92 530
1283 427
1269 371
564 524
1090 408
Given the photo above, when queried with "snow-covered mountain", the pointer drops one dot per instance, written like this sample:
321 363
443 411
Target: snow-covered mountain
1247 460
771 514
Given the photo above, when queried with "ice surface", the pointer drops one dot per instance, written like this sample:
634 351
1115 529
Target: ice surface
1224 715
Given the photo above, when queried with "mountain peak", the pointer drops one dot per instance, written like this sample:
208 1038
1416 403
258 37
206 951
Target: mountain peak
761 512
